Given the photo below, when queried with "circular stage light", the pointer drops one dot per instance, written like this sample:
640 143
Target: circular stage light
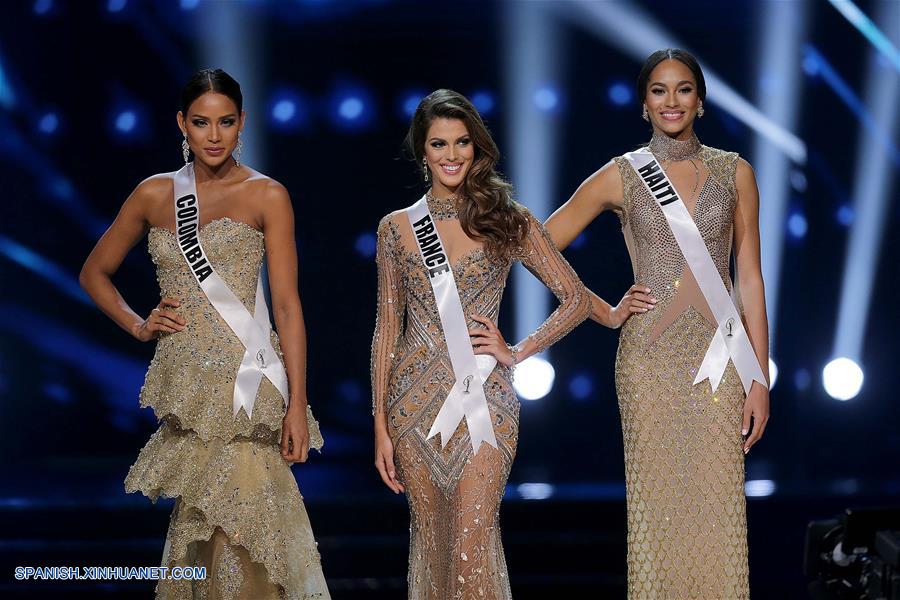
48 123
581 387
842 378
619 94
546 98
797 225
484 102
125 121
284 111
534 378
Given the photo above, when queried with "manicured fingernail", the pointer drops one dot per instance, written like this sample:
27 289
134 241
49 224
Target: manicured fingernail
654 300
648 290
743 432
746 450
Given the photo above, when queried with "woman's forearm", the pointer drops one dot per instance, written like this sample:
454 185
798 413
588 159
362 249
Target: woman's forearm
600 310
753 296
292 335
100 288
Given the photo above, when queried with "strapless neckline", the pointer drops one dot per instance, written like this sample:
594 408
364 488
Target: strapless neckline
237 222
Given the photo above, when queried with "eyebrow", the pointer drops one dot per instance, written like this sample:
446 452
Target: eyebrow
679 83
196 116
437 139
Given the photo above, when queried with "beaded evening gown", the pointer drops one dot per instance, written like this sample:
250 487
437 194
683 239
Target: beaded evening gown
454 497
684 464
238 512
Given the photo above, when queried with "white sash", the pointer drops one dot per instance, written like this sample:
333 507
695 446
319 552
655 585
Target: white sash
730 340
260 359
466 397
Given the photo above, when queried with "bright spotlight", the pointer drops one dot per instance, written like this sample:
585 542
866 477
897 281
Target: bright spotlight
546 98
535 491
797 225
534 378
484 102
773 373
756 488
842 378
619 94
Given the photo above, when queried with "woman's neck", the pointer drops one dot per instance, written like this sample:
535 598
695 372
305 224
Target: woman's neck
204 172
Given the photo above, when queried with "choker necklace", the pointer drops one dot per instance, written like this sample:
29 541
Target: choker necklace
666 148
670 150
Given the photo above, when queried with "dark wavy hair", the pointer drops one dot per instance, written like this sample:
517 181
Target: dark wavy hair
210 80
670 54
488 212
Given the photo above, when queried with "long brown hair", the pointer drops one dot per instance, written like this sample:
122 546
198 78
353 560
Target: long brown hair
487 212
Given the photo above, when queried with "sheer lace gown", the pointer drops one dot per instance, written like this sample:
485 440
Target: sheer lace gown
684 464
238 512
454 497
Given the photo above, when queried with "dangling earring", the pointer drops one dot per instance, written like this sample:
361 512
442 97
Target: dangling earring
425 167
237 150
646 114
185 149
700 110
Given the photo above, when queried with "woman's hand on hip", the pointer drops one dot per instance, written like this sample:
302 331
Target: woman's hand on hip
162 319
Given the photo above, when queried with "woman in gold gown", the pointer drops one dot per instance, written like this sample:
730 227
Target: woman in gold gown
238 511
684 443
454 494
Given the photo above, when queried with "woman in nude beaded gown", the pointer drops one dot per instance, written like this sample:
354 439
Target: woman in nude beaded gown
684 443
454 494
238 510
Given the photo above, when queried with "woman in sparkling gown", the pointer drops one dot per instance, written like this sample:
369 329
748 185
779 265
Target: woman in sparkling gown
238 510
454 493
684 443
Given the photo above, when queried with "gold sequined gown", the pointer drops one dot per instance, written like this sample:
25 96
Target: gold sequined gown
239 512
684 464
454 497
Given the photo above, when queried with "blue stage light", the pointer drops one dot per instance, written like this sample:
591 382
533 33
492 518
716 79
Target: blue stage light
42 7
546 98
48 123
126 121
845 215
115 6
351 108
620 94
189 4
797 225
365 245
484 102
798 181
410 102
581 387
534 378
57 392
802 380
535 491
287 110
7 97
284 111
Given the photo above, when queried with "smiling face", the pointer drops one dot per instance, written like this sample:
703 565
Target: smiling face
672 100
212 124
449 153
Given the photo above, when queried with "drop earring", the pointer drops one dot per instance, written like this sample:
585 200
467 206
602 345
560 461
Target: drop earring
700 110
237 150
425 168
646 114
185 149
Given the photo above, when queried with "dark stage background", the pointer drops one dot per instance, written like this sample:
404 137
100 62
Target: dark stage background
88 96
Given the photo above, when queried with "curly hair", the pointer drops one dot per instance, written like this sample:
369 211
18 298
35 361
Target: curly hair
488 212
